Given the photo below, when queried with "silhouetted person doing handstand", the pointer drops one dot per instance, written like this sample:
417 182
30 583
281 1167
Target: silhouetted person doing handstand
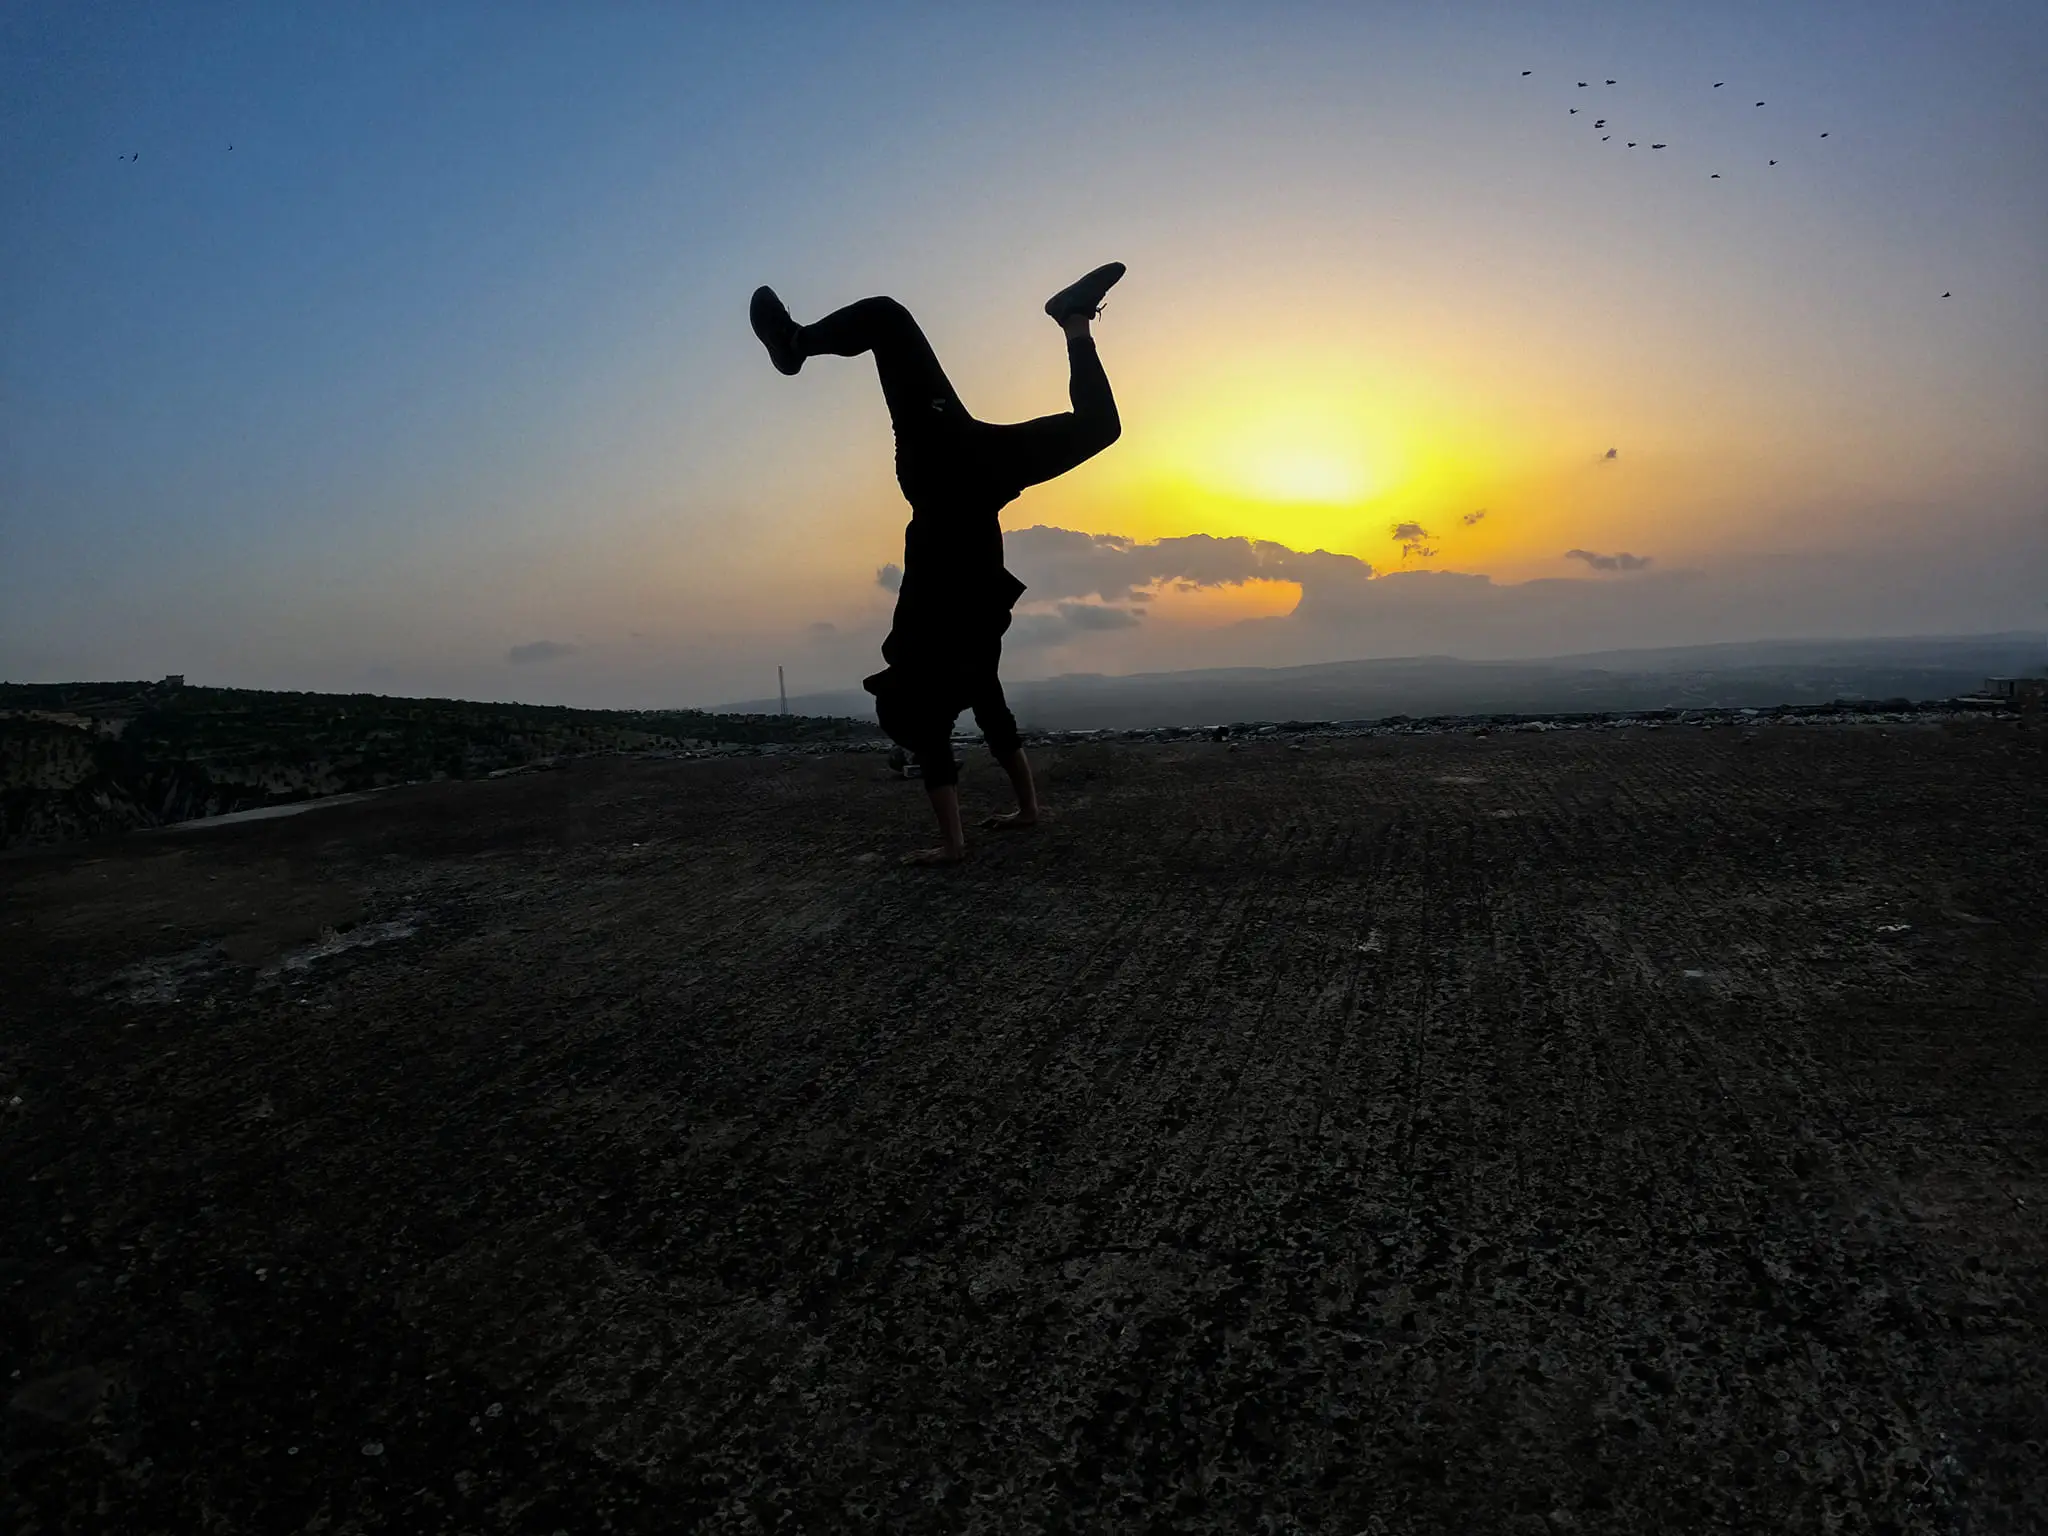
958 474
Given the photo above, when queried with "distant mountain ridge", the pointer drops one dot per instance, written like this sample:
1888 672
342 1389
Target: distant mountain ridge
1736 674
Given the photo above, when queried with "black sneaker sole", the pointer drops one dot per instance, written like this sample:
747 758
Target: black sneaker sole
1085 297
777 331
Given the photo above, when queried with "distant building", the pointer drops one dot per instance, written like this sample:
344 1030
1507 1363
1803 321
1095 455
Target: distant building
174 680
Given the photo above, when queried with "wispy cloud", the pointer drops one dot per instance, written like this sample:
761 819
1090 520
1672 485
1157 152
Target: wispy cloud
1069 621
1062 563
1474 517
539 650
1414 541
1620 561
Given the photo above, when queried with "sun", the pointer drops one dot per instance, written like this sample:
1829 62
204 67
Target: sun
1304 470
1311 476
1301 454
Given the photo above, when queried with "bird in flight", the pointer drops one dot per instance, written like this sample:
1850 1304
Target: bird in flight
1610 82
1719 83
1601 123
1774 162
1944 295
1660 146
1823 135
1631 143
1582 85
1759 103
1575 111
1715 177
1528 71
1605 137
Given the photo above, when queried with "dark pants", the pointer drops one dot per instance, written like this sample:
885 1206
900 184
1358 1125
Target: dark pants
941 451
957 473
919 717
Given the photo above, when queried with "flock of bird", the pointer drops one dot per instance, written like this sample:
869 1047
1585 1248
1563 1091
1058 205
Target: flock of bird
1602 122
1598 123
1601 125
138 154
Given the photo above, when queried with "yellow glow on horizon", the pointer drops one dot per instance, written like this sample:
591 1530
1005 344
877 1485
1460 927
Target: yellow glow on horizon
1314 444
1305 450
1175 603
1314 452
1303 476
1291 453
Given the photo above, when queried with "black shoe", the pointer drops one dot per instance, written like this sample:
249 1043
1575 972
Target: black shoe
1084 297
776 330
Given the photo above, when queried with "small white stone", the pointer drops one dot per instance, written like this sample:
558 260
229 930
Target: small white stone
373 1447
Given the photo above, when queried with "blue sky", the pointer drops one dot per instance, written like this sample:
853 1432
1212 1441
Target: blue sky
448 354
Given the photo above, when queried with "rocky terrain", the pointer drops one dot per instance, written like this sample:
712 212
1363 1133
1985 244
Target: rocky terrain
1621 1129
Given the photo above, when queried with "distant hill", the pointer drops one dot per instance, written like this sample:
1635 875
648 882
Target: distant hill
79 759
1738 675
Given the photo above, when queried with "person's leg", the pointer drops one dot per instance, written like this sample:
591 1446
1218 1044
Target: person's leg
1031 452
999 731
952 848
1018 767
913 383
919 722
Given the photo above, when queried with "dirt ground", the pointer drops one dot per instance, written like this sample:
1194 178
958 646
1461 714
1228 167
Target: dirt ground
1602 1131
